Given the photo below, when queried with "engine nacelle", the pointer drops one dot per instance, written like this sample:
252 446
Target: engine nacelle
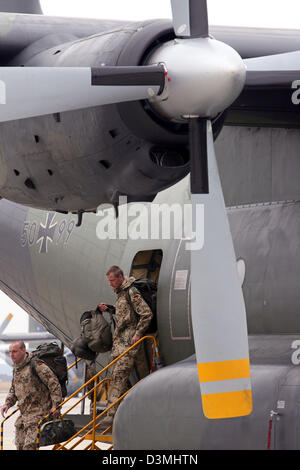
77 160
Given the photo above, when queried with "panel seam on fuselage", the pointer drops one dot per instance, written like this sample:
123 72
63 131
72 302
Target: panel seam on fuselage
263 204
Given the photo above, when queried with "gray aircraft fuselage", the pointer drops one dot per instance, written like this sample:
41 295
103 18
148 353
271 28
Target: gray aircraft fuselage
56 270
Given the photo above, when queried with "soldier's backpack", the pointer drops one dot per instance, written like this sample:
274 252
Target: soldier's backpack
80 349
52 355
96 331
57 431
148 290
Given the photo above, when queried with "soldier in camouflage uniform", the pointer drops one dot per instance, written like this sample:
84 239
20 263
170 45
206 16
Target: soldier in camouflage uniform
128 330
36 393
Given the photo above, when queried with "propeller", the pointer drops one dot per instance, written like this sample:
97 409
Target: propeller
212 76
5 322
36 91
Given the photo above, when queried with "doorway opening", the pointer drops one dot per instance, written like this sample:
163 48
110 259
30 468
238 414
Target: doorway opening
146 264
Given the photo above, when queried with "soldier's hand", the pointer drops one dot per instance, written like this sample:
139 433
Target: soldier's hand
4 410
135 338
103 307
55 412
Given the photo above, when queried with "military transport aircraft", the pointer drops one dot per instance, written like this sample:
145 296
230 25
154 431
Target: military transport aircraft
101 112
31 336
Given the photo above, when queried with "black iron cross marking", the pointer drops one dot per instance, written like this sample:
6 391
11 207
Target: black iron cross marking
46 232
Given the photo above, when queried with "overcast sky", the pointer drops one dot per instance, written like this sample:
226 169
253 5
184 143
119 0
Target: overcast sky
260 13
268 13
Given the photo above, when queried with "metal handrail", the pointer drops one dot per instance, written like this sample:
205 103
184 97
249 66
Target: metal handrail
94 389
2 423
46 417
93 421
17 409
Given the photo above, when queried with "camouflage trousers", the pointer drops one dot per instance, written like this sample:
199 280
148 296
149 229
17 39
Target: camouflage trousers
122 369
25 438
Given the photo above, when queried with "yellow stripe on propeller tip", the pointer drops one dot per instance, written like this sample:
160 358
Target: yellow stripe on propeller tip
226 377
227 404
224 370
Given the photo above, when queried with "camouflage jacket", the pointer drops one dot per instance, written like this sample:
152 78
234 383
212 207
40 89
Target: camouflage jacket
35 395
127 322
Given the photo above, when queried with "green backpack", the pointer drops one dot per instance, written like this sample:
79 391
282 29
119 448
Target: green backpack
52 355
96 331
148 290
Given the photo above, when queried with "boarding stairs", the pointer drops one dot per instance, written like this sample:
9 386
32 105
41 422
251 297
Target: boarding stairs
89 434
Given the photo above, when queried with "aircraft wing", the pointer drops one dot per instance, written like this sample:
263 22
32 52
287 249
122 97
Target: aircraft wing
34 336
10 337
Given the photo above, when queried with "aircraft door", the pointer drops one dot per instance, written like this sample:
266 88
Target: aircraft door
146 264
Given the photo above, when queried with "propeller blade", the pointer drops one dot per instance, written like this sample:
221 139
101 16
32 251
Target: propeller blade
190 18
5 322
142 75
31 7
278 70
271 79
218 310
35 91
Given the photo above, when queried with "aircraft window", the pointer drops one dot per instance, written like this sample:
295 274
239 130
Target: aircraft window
50 172
16 172
36 138
241 267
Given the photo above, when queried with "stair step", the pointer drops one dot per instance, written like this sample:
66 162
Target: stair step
100 437
79 420
82 420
